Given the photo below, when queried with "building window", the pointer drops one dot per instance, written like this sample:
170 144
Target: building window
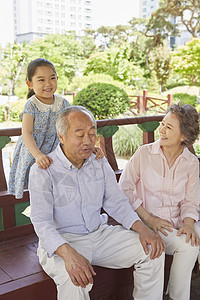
49 21
49 5
48 30
39 20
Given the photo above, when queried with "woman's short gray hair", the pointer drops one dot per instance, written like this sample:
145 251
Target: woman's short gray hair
189 122
62 123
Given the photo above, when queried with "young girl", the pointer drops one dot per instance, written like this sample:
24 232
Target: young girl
39 135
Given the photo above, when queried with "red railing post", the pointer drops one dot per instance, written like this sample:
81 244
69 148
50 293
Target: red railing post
74 95
145 92
3 184
148 137
107 147
169 99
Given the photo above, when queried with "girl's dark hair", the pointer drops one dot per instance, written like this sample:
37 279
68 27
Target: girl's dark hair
32 68
189 122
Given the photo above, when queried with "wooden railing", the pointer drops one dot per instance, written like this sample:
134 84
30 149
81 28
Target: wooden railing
143 103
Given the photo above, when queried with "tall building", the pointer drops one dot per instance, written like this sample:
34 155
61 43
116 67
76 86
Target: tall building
36 18
147 7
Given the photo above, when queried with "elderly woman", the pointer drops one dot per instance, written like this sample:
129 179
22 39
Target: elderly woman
161 181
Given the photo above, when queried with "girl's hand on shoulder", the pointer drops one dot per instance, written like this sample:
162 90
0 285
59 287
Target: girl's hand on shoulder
99 153
43 161
188 230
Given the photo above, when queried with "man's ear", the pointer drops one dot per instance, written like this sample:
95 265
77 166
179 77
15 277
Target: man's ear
29 84
61 138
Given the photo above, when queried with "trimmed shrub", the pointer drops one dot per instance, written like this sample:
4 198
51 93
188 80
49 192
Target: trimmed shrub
103 100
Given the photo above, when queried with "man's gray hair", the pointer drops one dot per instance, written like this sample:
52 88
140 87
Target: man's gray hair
62 123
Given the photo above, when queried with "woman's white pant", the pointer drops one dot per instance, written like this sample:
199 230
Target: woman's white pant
112 247
184 258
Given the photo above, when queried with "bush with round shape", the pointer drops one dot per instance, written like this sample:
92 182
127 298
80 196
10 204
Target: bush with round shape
105 101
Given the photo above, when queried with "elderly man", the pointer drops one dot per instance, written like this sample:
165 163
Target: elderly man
66 201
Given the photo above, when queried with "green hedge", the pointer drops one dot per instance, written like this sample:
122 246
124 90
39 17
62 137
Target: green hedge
103 100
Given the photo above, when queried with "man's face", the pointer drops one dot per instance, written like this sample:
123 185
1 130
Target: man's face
79 142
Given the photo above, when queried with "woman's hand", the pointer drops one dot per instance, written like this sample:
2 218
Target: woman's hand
154 223
99 153
158 224
43 161
188 229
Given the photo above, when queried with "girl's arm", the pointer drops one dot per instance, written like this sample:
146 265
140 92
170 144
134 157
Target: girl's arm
42 160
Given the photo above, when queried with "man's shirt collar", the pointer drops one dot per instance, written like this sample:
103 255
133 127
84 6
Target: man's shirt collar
66 162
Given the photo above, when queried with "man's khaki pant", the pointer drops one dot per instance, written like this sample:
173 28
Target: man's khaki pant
112 247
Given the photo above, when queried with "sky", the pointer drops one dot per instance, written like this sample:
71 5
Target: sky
115 12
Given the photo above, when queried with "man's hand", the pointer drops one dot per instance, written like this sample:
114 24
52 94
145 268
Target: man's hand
148 238
78 267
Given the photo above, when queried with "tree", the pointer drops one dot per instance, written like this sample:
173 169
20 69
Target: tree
116 63
13 59
186 61
188 12
156 30
153 85
160 62
109 36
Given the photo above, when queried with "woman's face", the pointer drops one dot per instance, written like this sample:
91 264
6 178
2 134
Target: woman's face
170 132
